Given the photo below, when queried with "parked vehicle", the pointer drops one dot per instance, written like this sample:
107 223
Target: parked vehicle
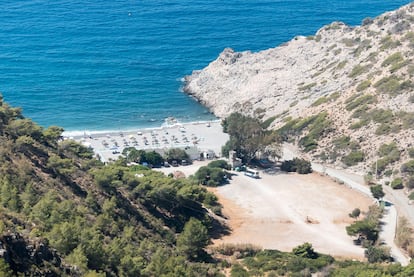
252 173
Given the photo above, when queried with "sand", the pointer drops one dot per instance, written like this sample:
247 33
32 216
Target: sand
197 136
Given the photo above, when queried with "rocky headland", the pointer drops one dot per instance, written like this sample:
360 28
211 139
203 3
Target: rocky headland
359 80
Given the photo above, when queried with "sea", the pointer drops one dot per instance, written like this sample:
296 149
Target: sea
117 65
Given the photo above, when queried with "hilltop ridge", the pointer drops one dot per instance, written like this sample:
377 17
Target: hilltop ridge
359 79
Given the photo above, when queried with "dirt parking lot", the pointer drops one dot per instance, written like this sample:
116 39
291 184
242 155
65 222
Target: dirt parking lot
284 210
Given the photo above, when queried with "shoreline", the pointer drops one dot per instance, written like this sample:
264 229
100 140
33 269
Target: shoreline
80 133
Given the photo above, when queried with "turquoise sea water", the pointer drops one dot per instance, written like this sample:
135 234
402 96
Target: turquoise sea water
111 65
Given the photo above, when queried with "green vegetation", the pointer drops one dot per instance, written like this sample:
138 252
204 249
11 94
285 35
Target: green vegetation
377 191
366 231
247 137
326 99
266 124
356 101
408 168
112 220
389 153
316 126
363 85
307 87
358 70
63 213
140 156
176 154
349 42
213 174
407 119
353 158
393 59
396 61
355 213
411 152
300 166
388 43
397 183
392 85
404 236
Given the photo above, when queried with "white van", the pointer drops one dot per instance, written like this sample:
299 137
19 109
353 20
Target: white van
252 173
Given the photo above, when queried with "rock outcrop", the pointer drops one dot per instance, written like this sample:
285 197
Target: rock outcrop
330 72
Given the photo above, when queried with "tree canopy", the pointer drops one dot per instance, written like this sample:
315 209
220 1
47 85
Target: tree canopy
248 137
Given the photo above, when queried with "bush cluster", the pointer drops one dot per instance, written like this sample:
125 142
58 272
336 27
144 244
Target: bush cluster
214 174
353 158
300 166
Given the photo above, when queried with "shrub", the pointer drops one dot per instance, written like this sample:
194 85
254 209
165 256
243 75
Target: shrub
307 87
382 116
320 101
358 70
355 213
411 152
341 65
383 129
397 66
411 196
410 183
363 85
349 42
308 143
397 183
377 191
388 84
300 166
386 149
353 158
265 124
353 102
388 43
377 254
219 164
305 251
407 120
210 176
342 142
380 165
392 85
392 59
358 124
408 167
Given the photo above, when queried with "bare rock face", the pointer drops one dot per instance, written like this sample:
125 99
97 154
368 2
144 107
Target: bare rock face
324 72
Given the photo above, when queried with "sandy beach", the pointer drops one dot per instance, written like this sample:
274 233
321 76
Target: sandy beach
196 137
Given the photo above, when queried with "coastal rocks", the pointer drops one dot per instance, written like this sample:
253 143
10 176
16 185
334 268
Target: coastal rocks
322 73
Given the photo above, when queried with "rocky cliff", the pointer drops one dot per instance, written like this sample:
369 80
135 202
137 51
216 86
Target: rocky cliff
361 77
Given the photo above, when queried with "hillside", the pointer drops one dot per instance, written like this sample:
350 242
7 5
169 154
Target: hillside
341 94
62 212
